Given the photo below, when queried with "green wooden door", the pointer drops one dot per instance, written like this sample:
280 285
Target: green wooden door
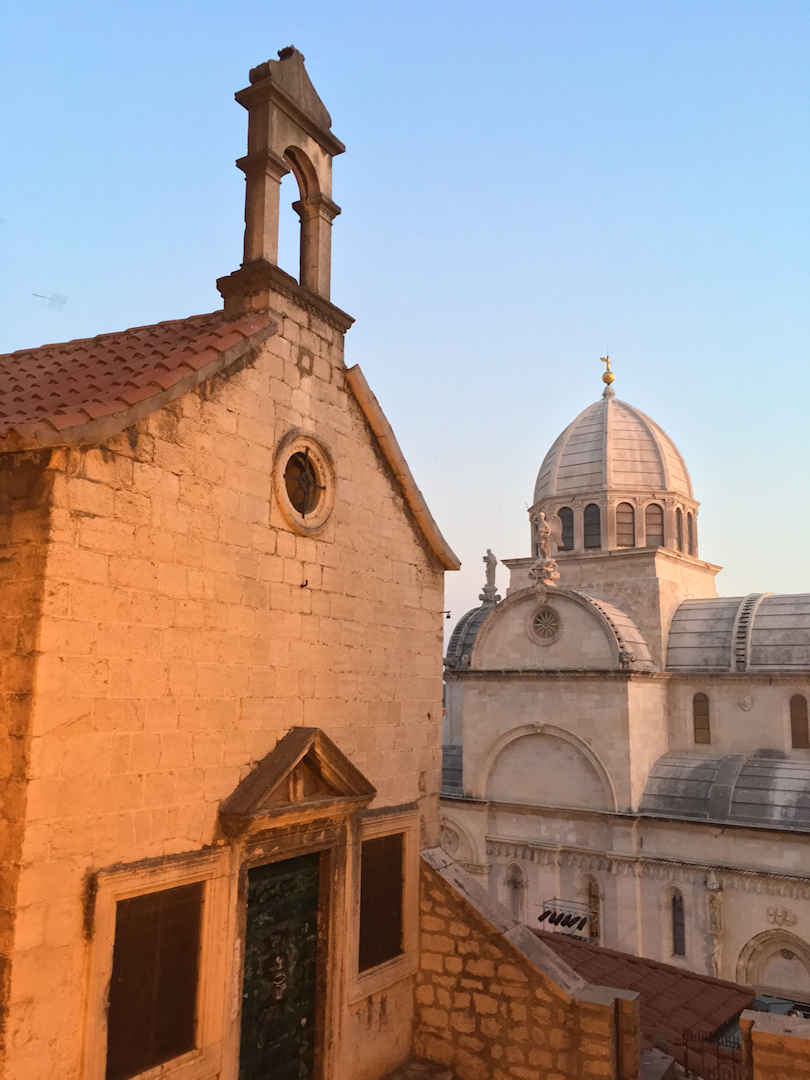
279 986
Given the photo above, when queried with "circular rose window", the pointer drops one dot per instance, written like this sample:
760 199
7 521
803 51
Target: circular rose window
304 481
301 482
545 625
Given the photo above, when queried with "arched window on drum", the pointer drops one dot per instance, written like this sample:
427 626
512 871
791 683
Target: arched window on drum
593 526
566 516
654 525
691 537
625 525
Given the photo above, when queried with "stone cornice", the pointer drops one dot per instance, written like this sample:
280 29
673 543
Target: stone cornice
553 674
651 553
631 817
733 877
268 90
255 278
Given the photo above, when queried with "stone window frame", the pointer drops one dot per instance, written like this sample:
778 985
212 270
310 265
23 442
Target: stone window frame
212 869
539 639
799 727
373 824
297 441
701 719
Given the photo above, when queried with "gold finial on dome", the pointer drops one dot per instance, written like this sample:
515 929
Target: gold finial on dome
608 376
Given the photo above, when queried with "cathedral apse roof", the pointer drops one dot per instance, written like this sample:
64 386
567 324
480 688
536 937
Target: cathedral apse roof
763 788
612 445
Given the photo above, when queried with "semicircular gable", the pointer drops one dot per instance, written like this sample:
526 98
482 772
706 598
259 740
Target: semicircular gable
559 629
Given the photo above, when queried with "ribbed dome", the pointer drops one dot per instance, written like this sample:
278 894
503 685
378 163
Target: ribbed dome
611 445
464 634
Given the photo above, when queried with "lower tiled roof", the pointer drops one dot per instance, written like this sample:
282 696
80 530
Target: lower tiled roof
47 392
672 1001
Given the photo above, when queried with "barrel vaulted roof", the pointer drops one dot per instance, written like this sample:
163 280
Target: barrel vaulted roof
761 632
764 788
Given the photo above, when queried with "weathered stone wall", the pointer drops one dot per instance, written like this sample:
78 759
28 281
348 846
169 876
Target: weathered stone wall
189 628
485 1010
775 1047
24 511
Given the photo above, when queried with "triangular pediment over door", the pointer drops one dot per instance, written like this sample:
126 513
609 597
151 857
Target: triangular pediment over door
305 776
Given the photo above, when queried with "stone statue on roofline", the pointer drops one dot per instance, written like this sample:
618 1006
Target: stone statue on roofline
489 594
545 571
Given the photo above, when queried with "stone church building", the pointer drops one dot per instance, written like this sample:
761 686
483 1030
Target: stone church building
626 752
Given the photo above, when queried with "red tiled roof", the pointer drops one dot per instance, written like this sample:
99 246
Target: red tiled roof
49 392
672 1001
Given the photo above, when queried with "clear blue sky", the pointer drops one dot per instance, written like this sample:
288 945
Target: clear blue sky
525 185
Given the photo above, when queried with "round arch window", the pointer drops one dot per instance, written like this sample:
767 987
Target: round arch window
304 481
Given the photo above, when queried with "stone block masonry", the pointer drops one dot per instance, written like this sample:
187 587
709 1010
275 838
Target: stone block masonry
492 1006
163 627
775 1047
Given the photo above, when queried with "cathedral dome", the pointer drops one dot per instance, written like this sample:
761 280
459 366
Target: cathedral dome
612 446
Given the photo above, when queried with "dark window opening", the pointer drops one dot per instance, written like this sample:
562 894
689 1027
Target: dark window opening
593 526
654 524
153 989
700 719
679 527
301 482
594 928
380 900
690 534
799 734
678 926
625 525
566 516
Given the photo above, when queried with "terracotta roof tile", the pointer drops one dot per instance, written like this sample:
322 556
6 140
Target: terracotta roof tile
672 1001
69 384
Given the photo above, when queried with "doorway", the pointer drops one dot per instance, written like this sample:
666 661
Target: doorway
281 976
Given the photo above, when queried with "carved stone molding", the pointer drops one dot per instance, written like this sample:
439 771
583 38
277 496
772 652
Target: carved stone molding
712 877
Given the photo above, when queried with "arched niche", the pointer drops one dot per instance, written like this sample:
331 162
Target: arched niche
776 961
546 766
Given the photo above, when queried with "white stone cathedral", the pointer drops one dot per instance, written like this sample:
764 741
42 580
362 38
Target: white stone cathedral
626 753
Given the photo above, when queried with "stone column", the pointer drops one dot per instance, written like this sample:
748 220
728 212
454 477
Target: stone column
317 214
263 173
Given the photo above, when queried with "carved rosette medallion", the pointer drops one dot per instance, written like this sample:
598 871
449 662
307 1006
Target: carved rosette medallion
544 625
